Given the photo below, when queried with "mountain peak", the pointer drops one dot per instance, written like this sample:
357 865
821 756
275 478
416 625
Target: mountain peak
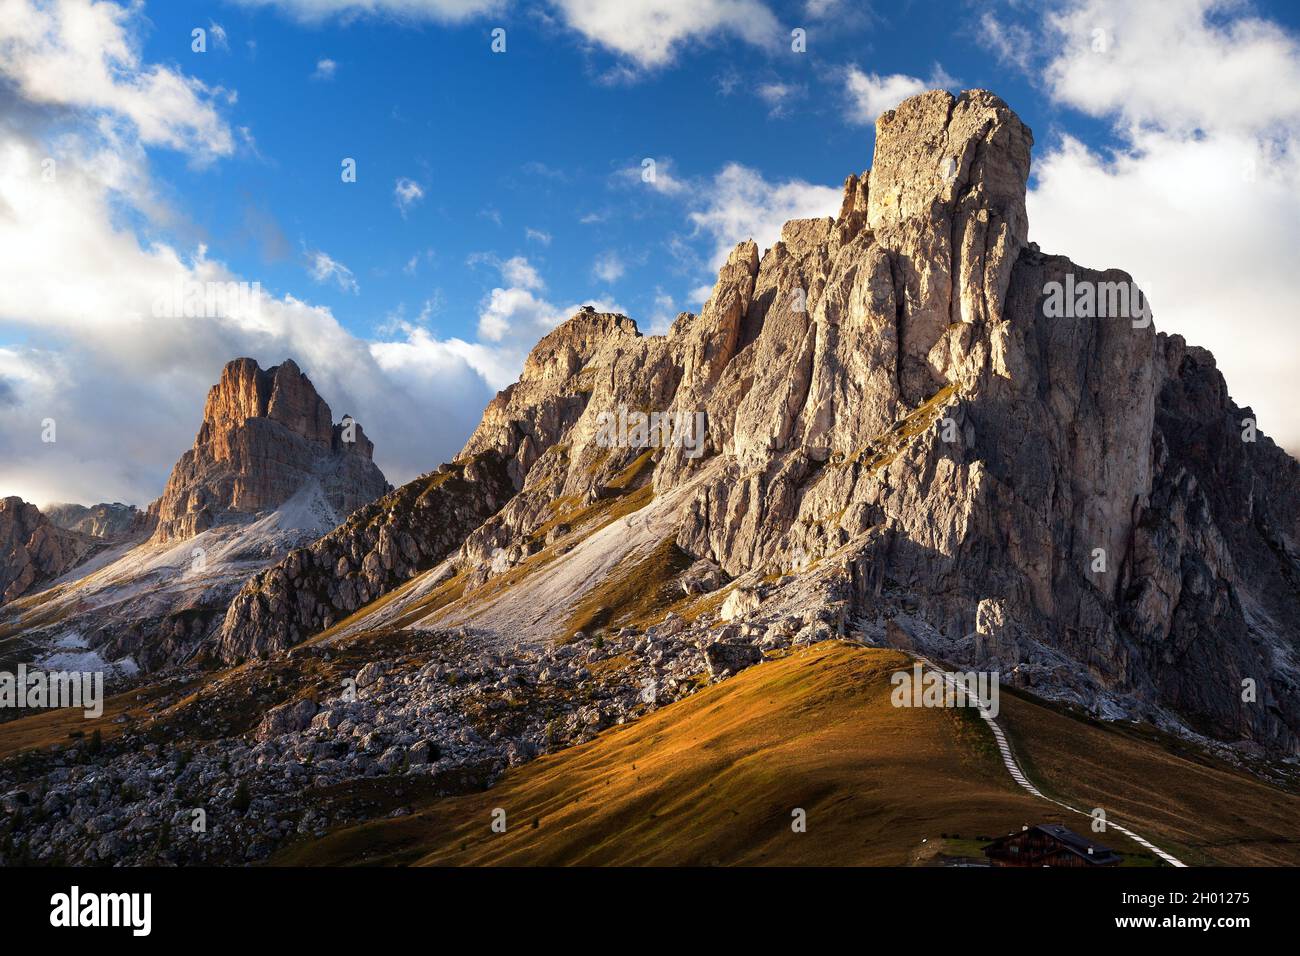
265 433
937 152
281 393
33 551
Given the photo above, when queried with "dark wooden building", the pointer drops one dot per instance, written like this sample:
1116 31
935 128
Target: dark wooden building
1049 844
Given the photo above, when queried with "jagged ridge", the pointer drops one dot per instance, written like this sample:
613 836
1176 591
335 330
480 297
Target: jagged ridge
888 402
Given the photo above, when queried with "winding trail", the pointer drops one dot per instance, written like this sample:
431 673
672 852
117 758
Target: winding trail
1018 775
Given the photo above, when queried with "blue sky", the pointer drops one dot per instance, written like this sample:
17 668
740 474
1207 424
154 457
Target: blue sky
532 139
497 191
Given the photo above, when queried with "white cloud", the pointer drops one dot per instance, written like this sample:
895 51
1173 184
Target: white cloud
512 317
646 33
663 314
413 264
325 69
81 55
519 271
649 33
322 267
431 370
1200 200
608 267
406 193
515 271
778 97
821 9
513 320
513 309
1170 64
740 204
656 173
126 386
870 94
445 11
1011 43
218 34
102 352
538 236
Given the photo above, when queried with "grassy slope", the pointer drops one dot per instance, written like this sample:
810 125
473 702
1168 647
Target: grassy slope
1201 811
713 779
62 726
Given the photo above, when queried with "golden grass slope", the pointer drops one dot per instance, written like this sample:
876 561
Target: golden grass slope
1201 810
713 779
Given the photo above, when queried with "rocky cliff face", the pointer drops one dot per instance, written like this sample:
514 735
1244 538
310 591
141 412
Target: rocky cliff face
379 547
894 412
265 434
33 551
269 472
109 521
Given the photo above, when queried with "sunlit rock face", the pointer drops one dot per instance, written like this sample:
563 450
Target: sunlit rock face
33 551
264 434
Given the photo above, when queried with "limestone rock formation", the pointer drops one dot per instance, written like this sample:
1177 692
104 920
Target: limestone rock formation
33 550
108 521
265 434
269 472
379 547
896 428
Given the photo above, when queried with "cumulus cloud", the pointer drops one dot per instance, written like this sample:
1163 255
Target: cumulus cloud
779 96
655 173
740 204
650 33
870 94
325 69
511 310
513 319
444 11
520 272
322 267
1182 65
83 56
406 193
608 267
646 34
663 315
516 271
123 373
99 336
1199 199
513 316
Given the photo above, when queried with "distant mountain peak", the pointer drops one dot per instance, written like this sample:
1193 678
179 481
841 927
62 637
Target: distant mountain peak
265 432
33 551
